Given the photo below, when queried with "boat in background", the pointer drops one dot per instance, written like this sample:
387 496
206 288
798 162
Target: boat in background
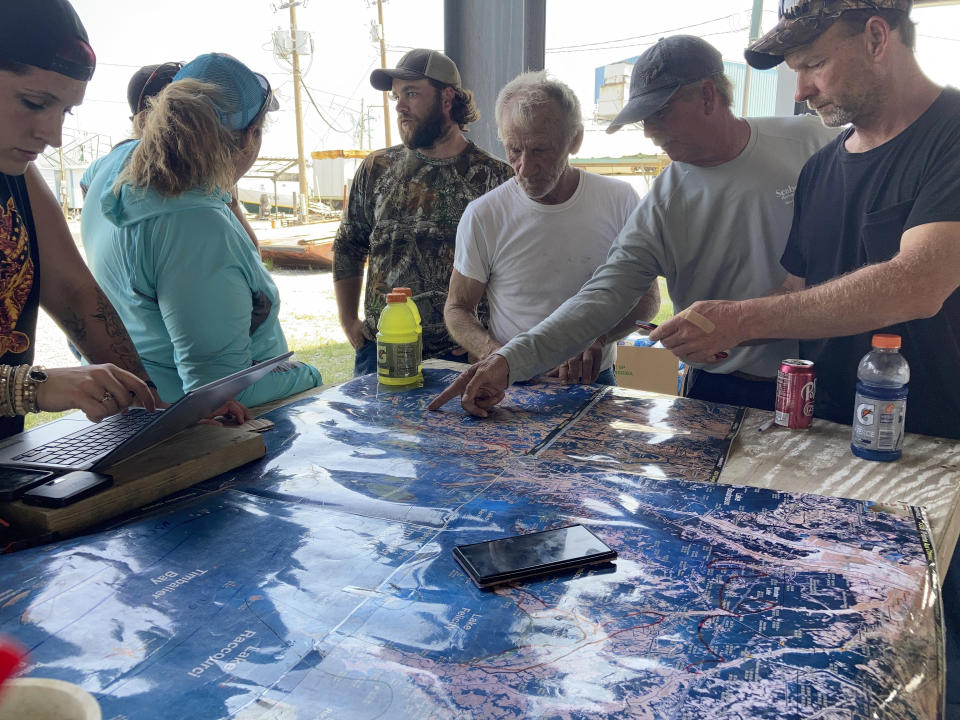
307 246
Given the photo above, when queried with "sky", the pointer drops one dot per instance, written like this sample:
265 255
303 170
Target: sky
580 36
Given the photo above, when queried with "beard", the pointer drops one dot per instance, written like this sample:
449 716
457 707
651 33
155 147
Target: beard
838 115
853 101
541 187
424 133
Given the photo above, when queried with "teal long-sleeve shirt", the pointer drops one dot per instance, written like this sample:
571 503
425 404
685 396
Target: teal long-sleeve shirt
188 285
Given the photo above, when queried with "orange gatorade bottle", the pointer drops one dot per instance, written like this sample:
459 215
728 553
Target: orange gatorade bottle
397 346
416 316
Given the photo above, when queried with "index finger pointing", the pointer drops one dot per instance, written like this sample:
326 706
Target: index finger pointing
452 390
135 387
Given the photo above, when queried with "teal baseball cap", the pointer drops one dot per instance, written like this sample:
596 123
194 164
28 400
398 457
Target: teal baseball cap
246 95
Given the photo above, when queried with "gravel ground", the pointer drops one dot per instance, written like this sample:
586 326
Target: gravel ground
308 312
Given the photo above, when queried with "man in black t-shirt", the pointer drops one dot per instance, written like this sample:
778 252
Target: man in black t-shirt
875 242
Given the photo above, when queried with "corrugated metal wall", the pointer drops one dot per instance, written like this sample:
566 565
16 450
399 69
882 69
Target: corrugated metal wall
763 89
492 43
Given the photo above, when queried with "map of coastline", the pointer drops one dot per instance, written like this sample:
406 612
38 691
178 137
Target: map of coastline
320 582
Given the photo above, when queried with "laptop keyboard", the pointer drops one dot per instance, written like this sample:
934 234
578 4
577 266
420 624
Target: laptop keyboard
90 442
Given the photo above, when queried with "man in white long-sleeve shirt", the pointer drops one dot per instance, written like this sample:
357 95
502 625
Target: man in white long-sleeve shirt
714 225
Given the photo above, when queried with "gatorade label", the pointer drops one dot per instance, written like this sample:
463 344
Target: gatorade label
878 424
397 360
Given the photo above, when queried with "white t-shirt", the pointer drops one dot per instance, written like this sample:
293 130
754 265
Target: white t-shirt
714 233
532 257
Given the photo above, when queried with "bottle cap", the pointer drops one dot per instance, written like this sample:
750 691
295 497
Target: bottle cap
406 291
396 297
886 341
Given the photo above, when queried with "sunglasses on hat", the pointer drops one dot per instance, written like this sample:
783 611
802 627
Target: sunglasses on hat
168 68
792 9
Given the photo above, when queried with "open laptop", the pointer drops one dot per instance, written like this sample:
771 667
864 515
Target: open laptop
75 443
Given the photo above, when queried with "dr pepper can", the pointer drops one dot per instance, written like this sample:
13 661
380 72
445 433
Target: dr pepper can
796 387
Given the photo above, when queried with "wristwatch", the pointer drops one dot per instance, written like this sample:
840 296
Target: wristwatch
28 389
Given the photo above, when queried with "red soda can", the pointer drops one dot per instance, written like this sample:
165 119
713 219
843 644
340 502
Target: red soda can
796 387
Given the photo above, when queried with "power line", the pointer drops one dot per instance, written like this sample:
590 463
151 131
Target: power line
119 65
938 37
314 103
633 45
88 100
331 94
659 33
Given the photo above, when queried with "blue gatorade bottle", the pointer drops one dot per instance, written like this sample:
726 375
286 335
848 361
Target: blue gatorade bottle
880 408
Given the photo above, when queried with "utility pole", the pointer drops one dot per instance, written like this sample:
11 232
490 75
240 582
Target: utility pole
383 64
64 202
754 34
301 162
363 119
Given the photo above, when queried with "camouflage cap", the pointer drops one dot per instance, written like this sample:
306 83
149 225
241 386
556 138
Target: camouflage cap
802 21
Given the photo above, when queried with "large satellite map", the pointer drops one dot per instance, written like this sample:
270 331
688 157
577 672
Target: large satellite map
320 583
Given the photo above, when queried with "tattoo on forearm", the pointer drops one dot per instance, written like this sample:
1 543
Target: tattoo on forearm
120 342
107 315
118 347
75 328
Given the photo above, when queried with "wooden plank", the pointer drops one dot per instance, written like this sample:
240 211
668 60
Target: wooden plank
191 456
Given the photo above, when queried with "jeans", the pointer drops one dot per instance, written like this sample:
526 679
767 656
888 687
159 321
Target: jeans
731 390
606 377
365 359
365 363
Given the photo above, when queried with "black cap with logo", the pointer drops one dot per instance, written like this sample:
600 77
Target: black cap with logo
662 70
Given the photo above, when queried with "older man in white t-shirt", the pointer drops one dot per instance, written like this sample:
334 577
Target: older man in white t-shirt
531 243
714 224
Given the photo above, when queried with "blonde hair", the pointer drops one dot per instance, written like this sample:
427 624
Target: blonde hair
184 145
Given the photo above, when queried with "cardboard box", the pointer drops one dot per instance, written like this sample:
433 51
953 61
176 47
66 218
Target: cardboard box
647 368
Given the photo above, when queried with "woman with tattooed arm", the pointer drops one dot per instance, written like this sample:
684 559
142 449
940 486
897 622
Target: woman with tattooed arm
45 63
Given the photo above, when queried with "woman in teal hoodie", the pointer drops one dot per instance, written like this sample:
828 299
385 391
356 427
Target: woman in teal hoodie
162 242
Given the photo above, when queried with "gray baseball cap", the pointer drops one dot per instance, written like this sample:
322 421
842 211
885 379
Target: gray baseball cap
803 21
662 70
417 65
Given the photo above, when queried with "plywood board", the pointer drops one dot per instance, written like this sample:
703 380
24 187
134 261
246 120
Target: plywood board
191 456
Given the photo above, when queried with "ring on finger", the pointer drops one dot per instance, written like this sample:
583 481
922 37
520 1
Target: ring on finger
107 397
